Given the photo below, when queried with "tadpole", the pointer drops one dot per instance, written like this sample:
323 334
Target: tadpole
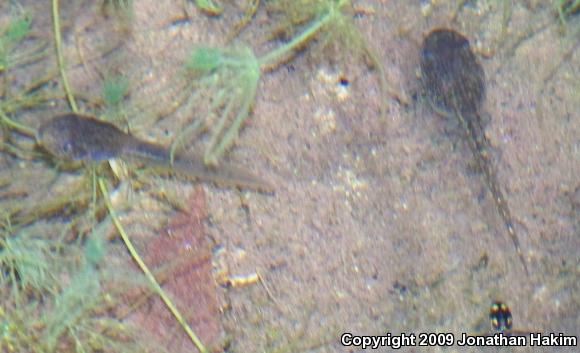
454 82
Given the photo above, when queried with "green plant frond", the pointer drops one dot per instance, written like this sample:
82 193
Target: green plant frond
12 53
566 8
73 315
76 301
224 80
95 247
115 89
209 7
119 5
27 263
300 12
17 29
315 18
331 22
204 59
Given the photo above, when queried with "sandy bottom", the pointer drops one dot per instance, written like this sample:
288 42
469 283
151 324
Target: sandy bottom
381 224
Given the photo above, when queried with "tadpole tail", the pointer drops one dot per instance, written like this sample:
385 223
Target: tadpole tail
193 167
480 148
225 174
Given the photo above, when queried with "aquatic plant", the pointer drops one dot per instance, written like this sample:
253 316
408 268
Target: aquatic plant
14 53
58 302
26 263
10 36
114 92
57 294
210 7
115 88
119 4
225 79
566 8
329 20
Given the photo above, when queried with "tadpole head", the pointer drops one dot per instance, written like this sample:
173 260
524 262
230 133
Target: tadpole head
452 76
78 137
57 137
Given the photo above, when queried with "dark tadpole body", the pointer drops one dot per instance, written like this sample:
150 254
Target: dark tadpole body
84 138
454 82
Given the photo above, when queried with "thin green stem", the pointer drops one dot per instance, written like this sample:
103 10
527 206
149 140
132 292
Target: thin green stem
23 129
147 272
269 60
214 152
59 56
105 192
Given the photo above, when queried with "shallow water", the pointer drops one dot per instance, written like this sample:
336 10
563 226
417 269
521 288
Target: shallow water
376 225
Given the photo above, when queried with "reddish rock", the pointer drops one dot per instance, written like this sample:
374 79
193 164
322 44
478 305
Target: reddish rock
180 257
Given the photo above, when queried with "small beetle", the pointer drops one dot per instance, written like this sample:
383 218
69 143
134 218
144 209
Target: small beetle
500 317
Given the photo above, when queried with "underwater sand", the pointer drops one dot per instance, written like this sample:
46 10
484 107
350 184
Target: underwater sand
381 225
